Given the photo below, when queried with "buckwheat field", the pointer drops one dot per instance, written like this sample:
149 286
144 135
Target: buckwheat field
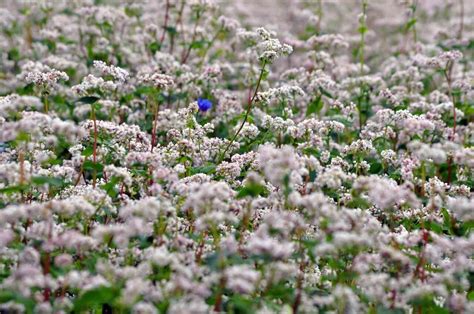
198 156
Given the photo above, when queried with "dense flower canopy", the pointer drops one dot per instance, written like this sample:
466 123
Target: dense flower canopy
192 156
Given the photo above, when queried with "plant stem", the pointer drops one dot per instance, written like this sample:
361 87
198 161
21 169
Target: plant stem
362 30
359 108
423 178
249 107
81 172
190 47
300 278
200 247
46 102
448 75
165 26
46 263
450 169
21 158
179 22
461 24
209 45
319 12
154 125
413 18
218 303
94 150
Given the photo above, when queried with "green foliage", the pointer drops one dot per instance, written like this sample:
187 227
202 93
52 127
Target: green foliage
314 106
88 99
252 189
94 299
10 296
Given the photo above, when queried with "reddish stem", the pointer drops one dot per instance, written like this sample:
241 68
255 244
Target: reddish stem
165 26
94 151
46 271
188 51
218 304
299 286
179 22
249 107
154 125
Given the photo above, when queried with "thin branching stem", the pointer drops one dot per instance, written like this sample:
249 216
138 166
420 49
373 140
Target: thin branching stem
362 30
461 18
249 108
94 150
186 54
165 26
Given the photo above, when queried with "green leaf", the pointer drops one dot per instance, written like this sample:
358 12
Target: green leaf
27 90
147 90
286 184
315 106
467 226
160 273
311 151
410 24
212 261
171 30
207 169
14 54
363 29
95 298
251 189
375 167
154 47
13 189
265 74
447 221
383 310
470 296
109 187
428 305
240 304
88 99
22 137
90 165
198 44
7 296
132 11
325 93
40 180
434 226
88 151
280 291
359 202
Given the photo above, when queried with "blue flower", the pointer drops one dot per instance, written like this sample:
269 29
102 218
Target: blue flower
204 104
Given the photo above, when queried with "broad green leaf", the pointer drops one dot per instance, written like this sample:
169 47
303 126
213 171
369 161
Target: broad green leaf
10 296
315 106
252 189
95 298
207 169
40 180
90 165
88 99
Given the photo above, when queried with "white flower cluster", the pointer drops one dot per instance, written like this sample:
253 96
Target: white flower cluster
270 48
116 72
157 80
42 75
158 157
